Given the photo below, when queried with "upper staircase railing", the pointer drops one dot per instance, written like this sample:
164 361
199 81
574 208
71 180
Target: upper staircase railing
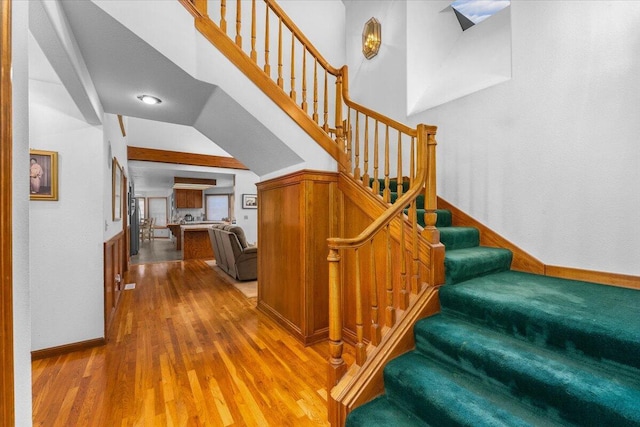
272 52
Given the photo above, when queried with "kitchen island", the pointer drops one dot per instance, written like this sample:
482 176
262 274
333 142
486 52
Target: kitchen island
193 239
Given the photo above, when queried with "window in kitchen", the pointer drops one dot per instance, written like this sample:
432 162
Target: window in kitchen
216 207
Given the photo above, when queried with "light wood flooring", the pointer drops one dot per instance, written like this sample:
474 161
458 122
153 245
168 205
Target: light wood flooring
156 250
188 349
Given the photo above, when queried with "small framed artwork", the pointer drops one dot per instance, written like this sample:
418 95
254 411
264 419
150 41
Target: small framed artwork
43 175
249 201
116 191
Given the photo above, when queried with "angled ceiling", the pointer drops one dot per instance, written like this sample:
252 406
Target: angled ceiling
122 66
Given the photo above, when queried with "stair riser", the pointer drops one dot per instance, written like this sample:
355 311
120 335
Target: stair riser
537 327
459 268
536 379
438 400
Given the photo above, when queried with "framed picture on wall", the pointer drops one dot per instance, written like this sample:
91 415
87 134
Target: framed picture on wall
43 175
116 190
249 201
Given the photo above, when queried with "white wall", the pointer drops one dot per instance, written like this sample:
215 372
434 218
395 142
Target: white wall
66 260
246 218
113 145
548 159
20 220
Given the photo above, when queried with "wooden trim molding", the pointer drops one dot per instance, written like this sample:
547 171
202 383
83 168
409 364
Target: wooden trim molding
612 279
121 121
67 348
522 261
7 401
180 158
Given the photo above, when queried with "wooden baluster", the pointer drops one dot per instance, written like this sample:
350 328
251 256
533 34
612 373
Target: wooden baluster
365 177
376 331
304 79
413 215
404 280
254 54
356 171
267 67
386 193
361 349
280 81
337 367
292 94
376 181
315 90
223 13
238 23
339 126
326 102
412 165
390 312
349 136
400 179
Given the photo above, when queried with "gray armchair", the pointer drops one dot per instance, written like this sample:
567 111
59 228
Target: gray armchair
233 255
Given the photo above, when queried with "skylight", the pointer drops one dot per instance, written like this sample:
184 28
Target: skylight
471 12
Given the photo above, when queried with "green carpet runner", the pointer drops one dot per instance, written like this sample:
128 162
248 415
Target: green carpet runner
514 349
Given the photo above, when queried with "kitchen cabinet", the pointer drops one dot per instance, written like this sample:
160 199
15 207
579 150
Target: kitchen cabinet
188 199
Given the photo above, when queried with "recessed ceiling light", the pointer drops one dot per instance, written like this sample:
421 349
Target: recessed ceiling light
148 99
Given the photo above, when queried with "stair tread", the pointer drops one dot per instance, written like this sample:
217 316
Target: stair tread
578 317
467 263
535 374
445 396
382 412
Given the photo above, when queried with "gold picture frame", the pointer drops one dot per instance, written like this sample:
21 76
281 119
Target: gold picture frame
43 175
116 190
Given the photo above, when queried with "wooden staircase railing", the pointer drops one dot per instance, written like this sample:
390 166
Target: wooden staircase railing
298 81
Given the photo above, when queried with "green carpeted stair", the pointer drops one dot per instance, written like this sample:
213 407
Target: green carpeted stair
514 349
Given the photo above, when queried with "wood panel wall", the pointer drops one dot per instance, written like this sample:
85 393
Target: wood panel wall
296 215
114 266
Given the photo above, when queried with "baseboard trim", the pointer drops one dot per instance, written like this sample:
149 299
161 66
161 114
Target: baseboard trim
599 277
67 348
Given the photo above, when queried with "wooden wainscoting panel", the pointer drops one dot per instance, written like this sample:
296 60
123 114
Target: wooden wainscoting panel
114 265
522 261
296 215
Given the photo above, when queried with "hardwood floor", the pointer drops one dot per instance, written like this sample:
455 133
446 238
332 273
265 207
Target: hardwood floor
187 349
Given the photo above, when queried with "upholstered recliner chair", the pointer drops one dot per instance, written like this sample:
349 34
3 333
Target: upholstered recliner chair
233 255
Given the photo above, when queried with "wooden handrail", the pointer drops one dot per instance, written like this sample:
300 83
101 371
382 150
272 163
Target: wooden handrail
288 22
393 211
374 114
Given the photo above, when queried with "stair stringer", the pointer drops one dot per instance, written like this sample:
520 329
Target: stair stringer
172 32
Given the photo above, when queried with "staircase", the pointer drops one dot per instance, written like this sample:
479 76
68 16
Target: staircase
512 348
507 348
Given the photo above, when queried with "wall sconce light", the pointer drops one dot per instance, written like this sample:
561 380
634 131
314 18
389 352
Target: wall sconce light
371 38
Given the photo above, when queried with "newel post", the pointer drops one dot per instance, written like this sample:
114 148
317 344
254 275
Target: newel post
430 231
337 367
